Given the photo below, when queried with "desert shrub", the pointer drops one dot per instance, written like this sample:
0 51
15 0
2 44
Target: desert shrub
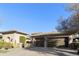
22 39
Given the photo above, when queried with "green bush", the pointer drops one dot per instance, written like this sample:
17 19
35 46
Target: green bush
7 45
22 39
1 44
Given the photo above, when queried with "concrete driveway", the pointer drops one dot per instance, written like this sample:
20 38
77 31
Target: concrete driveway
39 52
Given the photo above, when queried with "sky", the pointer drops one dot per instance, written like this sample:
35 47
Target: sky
30 17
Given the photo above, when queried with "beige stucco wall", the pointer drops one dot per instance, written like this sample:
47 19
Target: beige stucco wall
14 36
5 37
17 36
60 41
71 38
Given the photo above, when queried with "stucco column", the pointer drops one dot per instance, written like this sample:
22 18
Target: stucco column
33 41
71 39
45 41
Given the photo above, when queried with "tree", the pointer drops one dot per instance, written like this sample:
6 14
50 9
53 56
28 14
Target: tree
62 24
74 7
72 22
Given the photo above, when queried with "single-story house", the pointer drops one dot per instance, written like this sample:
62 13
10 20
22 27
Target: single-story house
54 38
13 36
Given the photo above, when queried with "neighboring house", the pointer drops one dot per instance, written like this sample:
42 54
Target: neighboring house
13 36
74 38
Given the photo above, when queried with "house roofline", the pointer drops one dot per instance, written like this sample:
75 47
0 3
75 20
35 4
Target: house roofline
13 31
51 33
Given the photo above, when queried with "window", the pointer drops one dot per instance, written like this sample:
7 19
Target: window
8 38
22 39
28 42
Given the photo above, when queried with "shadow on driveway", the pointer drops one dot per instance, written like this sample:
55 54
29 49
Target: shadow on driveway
52 51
